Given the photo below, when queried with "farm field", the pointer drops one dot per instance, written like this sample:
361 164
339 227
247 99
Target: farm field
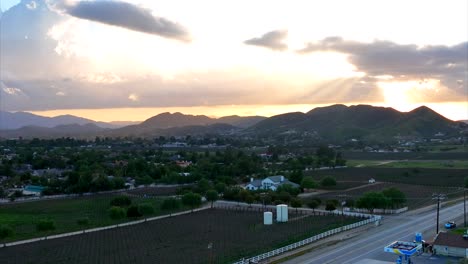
417 176
430 164
208 236
22 217
417 196
355 155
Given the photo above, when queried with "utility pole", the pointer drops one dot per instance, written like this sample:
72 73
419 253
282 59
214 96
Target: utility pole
438 197
464 205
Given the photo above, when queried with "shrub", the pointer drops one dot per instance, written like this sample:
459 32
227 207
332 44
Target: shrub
170 204
145 209
328 182
116 212
83 221
132 211
5 231
330 206
191 199
121 201
45 225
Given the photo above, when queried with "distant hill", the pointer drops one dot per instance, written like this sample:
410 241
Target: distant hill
339 122
73 130
168 120
241 121
20 119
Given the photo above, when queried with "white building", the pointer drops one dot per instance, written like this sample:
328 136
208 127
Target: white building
269 183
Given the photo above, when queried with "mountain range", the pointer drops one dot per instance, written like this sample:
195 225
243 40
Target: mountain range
339 122
334 123
21 119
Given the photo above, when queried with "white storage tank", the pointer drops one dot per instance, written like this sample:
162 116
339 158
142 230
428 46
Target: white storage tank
267 218
284 213
281 213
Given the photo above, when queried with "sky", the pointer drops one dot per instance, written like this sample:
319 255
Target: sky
129 60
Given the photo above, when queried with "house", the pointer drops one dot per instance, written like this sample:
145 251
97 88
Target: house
183 164
450 244
269 183
33 190
253 185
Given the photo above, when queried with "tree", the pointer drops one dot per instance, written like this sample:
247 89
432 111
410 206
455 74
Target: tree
220 187
116 212
212 196
372 200
328 181
203 186
313 204
330 205
45 225
296 176
121 201
308 183
466 182
295 203
396 198
249 199
145 209
289 189
191 199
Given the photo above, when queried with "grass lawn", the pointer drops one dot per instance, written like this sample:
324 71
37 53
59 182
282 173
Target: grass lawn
23 217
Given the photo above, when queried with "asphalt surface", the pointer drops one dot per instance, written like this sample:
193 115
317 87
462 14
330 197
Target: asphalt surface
369 245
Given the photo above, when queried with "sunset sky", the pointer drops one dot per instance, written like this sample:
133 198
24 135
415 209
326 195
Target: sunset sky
129 60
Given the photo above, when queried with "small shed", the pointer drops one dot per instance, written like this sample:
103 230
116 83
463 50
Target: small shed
450 244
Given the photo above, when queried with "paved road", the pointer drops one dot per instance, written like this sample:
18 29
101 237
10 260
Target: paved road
370 244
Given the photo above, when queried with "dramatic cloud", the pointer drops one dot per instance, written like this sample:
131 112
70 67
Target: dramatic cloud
384 60
273 40
123 14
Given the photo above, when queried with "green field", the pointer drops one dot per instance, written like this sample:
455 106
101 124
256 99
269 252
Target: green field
416 176
430 164
23 217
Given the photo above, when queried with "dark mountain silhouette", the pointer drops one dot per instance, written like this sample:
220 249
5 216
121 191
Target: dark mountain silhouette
338 122
72 130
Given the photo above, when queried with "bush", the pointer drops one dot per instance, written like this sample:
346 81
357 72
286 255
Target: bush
145 209
132 211
45 225
116 212
330 206
121 201
170 204
5 231
191 199
328 182
83 221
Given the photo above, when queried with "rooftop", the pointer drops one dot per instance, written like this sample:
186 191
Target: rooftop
451 240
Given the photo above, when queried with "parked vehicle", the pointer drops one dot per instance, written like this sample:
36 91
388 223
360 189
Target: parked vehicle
450 225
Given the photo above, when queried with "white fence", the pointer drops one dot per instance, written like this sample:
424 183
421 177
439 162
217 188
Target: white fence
382 211
309 240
